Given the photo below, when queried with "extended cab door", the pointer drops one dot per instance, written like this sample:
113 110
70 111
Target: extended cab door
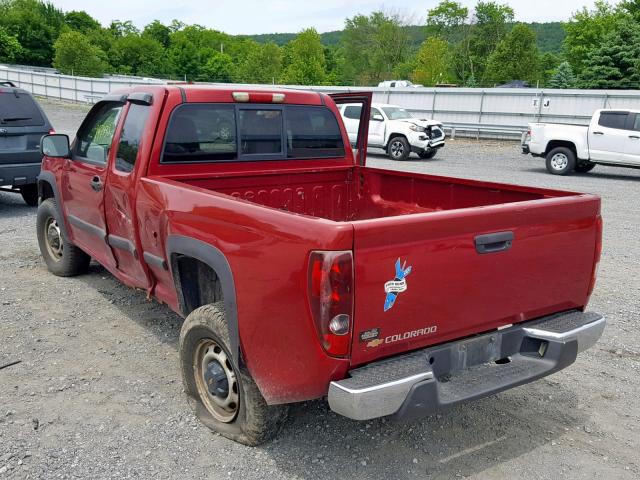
633 141
133 144
83 179
376 128
359 130
608 136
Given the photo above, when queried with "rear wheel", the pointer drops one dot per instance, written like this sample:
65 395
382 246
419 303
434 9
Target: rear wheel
62 257
30 194
223 394
585 167
561 161
398 148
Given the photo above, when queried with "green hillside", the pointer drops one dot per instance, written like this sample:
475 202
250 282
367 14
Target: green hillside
550 36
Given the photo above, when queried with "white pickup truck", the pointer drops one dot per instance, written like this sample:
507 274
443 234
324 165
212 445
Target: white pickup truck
612 138
393 129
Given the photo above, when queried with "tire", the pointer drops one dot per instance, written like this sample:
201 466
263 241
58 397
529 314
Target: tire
62 257
237 409
561 161
30 194
585 167
398 149
428 154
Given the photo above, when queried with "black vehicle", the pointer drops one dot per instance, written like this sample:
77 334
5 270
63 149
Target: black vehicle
22 124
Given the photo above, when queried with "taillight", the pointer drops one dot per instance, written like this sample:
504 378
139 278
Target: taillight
51 131
597 255
331 299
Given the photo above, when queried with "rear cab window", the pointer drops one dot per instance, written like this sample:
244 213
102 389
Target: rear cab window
18 109
229 132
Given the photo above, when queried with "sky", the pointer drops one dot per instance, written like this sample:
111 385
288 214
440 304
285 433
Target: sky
288 16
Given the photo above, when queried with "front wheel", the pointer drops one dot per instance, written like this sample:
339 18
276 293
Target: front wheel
62 257
399 148
561 161
222 393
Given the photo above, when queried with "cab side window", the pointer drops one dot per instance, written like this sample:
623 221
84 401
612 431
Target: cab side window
131 137
96 133
613 120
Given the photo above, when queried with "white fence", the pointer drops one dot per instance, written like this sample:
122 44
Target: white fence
488 112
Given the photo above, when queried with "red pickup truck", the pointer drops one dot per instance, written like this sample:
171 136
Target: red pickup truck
303 273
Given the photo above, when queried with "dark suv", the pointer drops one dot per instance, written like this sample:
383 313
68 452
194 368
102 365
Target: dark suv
22 124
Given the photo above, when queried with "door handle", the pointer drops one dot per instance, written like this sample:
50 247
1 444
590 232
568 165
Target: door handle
494 242
635 137
96 183
598 133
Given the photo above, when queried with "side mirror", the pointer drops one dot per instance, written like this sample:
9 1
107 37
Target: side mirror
377 118
55 146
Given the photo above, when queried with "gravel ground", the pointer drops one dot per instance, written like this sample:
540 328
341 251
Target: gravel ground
98 393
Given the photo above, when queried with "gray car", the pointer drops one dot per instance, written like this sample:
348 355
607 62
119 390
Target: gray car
22 125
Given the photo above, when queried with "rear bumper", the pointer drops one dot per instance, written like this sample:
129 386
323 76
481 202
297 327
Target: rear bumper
423 382
23 169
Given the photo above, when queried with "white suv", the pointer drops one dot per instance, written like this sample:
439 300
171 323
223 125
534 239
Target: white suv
393 129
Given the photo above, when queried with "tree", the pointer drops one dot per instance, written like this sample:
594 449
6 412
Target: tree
432 62
81 21
184 58
446 19
121 29
75 55
158 32
373 47
35 25
586 30
218 68
306 61
138 55
615 63
262 64
491 24
515 58
563 77
9 46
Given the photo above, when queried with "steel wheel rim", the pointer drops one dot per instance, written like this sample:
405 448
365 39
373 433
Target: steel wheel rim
53 239
397 149
559 161
210 362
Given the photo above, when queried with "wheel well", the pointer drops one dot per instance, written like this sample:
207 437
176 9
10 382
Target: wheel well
561 143
196 282
45 190
394 135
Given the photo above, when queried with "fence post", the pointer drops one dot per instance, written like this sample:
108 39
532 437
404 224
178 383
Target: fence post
433 105
540 105
481 106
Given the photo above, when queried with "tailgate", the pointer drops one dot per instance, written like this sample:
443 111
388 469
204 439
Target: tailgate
421 279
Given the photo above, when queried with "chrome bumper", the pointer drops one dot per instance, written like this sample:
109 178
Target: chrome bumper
425 381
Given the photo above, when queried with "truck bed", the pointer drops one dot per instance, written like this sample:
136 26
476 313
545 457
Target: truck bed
435 225
346 195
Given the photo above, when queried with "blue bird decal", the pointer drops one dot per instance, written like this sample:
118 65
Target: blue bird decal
397 285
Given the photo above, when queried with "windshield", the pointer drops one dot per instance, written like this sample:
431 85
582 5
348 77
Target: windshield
396 113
